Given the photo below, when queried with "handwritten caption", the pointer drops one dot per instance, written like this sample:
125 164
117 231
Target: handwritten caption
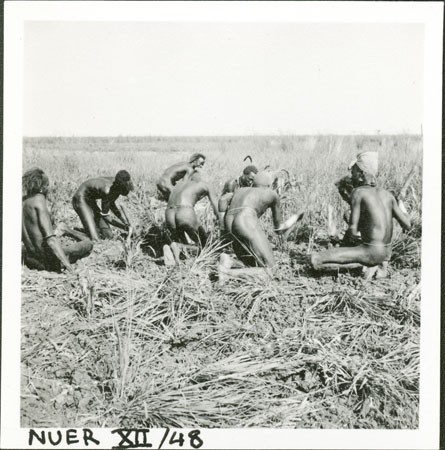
124 438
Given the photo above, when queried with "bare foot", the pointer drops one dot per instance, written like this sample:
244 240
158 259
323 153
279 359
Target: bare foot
169 259
225 263
369 272
382 270
176 252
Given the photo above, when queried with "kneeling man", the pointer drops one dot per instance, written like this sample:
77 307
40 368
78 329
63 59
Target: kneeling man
173 174
96 221
181 218
370 225
248 238
43 250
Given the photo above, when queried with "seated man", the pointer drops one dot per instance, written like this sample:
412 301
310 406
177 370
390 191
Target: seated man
96 221
43 250
177 172
181 217
249 240
372 213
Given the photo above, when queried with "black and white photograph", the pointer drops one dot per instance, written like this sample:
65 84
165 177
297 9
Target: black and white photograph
229 224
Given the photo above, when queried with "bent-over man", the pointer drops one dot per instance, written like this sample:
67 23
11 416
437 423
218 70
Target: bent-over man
42 248
181 217
230 186
96 221
245 180
370 224
248 238
177 172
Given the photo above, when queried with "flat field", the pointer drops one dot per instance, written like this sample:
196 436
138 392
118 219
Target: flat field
133 343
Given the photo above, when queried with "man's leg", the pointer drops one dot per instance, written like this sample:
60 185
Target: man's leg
171 252
34 263
250 242
187 222
63 229
103 226
78 250
86 216
347 258
232 268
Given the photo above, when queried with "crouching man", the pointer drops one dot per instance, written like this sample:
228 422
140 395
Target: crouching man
96 221
43 250
180 217
370 224
249 241
177 172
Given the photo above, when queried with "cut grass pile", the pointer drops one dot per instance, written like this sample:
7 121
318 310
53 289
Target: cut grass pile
132 343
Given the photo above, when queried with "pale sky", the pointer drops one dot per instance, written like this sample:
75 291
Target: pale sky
142 78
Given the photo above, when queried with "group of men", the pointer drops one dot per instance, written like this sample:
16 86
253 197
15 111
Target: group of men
366 244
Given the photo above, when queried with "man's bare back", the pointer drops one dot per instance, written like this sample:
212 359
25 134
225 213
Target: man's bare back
188 193
180 214
249 241
95 188
257 199
43 250
377 208
173 174
32 237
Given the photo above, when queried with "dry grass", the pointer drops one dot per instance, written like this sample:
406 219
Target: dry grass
138 344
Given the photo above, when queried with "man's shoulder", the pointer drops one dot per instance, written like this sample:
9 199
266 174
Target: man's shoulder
183 165
36 201
232 183
363 190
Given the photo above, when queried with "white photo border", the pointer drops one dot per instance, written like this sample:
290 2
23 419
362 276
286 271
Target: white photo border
428 13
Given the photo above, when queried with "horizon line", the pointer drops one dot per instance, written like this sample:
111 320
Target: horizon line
49 136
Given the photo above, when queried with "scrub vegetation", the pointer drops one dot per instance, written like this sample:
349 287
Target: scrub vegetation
130 342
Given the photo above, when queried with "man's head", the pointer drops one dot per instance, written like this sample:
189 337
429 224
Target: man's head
345 187
263 179
248 175
364 169
35 181
197 160
123 183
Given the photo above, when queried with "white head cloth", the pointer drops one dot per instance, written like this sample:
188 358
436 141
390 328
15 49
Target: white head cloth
368 162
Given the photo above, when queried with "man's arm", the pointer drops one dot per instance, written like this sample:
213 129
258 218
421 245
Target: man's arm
351 236
355 213
276 211
46 228
107 205
229 187
401 217
117 212
224 202
185 169
213 201
223 206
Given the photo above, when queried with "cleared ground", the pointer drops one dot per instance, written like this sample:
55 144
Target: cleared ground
133 343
